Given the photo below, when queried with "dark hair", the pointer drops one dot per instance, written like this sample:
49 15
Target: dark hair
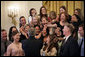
44 17
53 14
64 8
10 32
78 18
30 11
79 11
20 20
38 26
66 15
82 25
3 30
14 33
47 30
26 26
52 44
41 12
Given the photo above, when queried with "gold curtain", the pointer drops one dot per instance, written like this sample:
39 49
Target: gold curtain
70 5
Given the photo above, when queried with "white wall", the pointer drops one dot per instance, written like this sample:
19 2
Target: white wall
24 7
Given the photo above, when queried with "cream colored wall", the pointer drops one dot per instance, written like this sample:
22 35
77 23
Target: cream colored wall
24 7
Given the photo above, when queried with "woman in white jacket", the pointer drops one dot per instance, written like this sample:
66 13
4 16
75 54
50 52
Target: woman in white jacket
32 14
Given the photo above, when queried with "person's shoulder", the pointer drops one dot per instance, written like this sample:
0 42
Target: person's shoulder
72 40
10 45
25 40
20 44
54 48
69 15
30 17
9 42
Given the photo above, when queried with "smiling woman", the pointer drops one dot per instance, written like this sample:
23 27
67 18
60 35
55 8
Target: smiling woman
55 5
40 23
22 10
15 48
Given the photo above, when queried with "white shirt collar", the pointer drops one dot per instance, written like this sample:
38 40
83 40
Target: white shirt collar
66 38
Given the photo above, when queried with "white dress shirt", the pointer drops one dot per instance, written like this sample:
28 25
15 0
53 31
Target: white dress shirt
66 38
29 19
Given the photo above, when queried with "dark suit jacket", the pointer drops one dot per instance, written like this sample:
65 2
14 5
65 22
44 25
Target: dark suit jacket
69 48
32 46
3 46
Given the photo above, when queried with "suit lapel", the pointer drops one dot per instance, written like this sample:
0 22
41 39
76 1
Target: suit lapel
68 40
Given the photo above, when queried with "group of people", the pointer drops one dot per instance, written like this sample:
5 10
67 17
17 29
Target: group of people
45 35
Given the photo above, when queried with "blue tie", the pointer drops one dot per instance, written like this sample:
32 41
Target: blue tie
82 47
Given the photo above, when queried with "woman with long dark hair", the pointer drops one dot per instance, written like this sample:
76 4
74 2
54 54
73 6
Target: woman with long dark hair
75 21
11 30
43 12
49 49
63 9
24 35
77 11
32 13
63 19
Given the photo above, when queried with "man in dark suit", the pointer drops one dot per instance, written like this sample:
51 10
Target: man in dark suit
70 45
32 46
4 42
81 41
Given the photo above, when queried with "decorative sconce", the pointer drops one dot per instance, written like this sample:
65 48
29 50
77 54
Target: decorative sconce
13 12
